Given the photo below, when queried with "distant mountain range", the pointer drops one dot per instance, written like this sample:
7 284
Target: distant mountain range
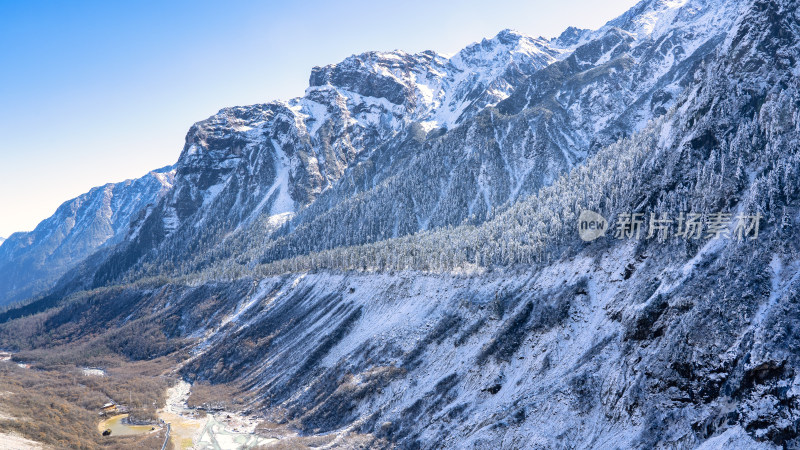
31 262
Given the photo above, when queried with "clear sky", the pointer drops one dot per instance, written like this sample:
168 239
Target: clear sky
97 92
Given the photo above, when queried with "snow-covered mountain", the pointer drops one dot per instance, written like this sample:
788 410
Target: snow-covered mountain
31 261
252 167
394 256
386 144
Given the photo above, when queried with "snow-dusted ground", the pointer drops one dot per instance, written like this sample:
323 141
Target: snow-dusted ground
219 431
734 438
12 441
521 359
93 372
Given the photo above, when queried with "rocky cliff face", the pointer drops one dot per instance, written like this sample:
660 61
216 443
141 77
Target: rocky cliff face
388 144
248 168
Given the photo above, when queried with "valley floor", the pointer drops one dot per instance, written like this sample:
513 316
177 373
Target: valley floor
192 428
592 352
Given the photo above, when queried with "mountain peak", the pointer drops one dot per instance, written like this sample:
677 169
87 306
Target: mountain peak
513 38
653 18
647 16
509 35
507 45
570 36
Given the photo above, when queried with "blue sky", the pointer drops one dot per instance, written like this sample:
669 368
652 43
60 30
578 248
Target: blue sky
96 92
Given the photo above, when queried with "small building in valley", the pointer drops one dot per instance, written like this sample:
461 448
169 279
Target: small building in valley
109 408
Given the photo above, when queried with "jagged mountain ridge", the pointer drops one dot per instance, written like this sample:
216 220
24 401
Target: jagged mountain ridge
31 261
286 154
388 144
241 149
353 167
